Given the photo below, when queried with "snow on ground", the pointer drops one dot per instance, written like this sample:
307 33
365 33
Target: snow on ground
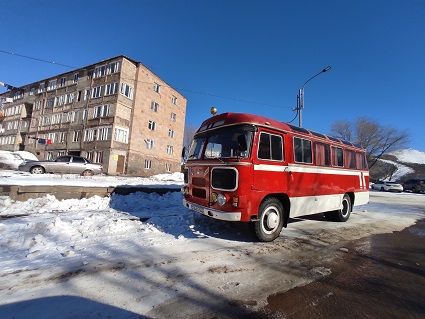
143 254
410 156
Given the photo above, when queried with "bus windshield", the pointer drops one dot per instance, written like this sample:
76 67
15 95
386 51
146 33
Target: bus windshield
227 142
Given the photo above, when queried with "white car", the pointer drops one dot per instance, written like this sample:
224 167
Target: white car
9 160
387 186
27 156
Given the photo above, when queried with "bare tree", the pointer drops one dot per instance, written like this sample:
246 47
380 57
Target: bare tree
189 132
342 129
377 140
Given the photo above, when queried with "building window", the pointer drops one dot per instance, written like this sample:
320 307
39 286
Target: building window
62 82
171 133
167 167
113 67
76 135
62 137
85 112
32 91
148 164
60 100
56 118
99 71
173 116
101 111
41 88
169 149
156 87
111 88
121 135
50 103
52 137
149 144
69 98
97 92
90 135
154 106
52 85
38 104
174 100
86 94
104 133
49 155
95 156
76 75
152 125
126 90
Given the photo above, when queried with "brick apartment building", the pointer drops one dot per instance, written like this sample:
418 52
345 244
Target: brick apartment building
116 112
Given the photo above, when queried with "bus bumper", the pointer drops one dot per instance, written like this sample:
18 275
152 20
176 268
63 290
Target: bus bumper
213 213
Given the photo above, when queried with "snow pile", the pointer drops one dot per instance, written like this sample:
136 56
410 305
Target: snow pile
401 170
410 156
9 177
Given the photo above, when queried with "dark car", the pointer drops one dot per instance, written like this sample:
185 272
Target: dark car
414 185
66 164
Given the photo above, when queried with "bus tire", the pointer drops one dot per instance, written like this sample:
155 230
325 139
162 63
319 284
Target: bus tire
342 215
270 219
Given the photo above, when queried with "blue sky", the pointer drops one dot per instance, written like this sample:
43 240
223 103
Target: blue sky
240 56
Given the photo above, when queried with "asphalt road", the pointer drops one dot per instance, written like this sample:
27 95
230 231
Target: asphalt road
386 280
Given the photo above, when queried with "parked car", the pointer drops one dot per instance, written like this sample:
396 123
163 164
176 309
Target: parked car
414 185
8 160
387 186
66 164
27 156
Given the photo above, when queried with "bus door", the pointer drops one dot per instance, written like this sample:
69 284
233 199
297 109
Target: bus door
270 169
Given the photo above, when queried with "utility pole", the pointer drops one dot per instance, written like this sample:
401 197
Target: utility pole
300 97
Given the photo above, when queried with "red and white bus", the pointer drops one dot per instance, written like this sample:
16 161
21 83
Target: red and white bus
248 168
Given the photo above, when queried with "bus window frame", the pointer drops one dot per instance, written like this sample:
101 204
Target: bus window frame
270 147
302 145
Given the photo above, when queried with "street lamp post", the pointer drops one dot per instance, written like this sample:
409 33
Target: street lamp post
300 97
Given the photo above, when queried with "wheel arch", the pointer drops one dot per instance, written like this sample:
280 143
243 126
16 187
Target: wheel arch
284 200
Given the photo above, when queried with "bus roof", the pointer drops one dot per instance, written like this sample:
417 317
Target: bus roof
245 118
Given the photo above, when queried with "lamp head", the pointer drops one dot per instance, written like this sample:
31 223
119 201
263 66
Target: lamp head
326 69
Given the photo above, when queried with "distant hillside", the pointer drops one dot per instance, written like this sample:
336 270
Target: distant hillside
400 166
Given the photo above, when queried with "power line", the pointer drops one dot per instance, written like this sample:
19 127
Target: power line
37 59
181 89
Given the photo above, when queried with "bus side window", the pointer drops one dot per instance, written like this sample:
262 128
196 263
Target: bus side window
337 156
322 154
302 151
360 161
350 161
270 147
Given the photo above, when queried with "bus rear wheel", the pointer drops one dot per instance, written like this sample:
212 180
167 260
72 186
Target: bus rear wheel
270 219
341 215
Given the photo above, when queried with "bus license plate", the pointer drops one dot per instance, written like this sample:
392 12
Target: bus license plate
197 209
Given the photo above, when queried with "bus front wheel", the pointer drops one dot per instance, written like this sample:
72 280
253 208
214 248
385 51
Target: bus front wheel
270 219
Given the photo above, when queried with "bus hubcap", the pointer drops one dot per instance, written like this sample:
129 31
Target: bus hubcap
272 220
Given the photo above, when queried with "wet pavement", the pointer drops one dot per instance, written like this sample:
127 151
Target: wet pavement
382 276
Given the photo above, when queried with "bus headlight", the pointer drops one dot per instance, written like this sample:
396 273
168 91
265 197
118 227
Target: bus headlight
185 190
221 199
